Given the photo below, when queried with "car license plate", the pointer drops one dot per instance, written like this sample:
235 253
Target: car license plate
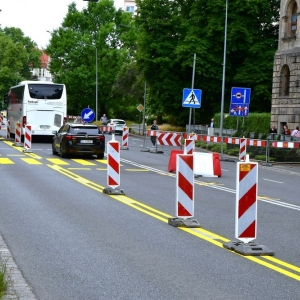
86 141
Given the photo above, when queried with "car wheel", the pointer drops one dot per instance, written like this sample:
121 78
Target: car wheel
62 154
54 152
100 156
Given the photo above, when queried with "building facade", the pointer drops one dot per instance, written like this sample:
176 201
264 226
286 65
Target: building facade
43 74
286 72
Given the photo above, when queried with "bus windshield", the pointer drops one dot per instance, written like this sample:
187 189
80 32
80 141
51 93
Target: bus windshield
45 91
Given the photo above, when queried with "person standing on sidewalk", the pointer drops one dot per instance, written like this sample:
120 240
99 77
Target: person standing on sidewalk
153 127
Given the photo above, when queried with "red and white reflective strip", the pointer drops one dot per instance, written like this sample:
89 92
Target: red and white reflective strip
256 143
18 133
189 146
184 186
8 130
27 137
152 132
105 128
229 140
212 139
243 146
125 138
285 144
246 201
113 163
169 139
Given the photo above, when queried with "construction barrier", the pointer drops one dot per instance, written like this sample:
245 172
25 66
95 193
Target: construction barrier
246 211
243 144
18 134
113 168
172 160
189 146
125 138
27 138
106 129
207 164
169 139
8 130
184 186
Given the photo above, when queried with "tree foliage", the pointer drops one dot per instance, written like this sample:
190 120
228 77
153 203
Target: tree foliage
73 49
172 31
18 55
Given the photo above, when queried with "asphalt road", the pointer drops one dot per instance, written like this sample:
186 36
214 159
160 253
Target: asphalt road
71 241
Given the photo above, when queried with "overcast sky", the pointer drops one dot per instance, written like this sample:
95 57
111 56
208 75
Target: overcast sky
35 17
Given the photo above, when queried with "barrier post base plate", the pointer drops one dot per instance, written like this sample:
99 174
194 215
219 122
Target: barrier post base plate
156 151
111 191
27 151
181 222
248 249
145 150
124 148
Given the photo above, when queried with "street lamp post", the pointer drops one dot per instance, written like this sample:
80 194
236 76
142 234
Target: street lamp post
223 78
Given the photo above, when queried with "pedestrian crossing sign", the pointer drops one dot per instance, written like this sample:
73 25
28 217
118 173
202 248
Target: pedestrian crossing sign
191 98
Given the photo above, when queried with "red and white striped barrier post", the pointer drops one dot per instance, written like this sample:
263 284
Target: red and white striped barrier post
113 168
27 139
246 211
17 134
189 146
8 130
243 146
184 192
125 138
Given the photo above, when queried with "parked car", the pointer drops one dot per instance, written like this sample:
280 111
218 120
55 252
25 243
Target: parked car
78 139
117 124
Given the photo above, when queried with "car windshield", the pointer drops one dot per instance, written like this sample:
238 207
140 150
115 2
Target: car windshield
84 130
120 122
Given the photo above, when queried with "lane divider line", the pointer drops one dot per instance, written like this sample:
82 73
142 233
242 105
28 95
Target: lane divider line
201 233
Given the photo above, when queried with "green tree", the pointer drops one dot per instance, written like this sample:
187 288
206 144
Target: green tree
73 55
18 55
172 31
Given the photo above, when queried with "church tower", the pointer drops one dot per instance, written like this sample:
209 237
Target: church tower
286 71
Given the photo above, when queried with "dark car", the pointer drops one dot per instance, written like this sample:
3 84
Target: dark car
78 139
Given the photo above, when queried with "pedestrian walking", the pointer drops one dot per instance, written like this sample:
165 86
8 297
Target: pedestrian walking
103 119
153 127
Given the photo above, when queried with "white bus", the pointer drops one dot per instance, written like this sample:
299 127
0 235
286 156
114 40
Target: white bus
41 104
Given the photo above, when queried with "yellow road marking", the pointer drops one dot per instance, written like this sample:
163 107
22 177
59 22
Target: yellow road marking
84 169
6 161
204 234
84 162
102 161
57 161
31 161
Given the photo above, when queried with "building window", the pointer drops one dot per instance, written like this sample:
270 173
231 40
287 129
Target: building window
294 20
130 9
284 88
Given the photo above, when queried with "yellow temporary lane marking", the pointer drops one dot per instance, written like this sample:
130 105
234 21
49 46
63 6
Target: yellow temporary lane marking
102 161
58 161
201 233
84 162
6 161
31 161
81 169
101 169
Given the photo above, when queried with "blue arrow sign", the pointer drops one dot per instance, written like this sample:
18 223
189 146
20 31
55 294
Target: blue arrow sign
88 115
191 98
240 95
239 110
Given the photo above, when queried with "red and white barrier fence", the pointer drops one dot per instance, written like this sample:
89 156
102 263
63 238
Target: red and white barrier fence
27 138
243 147
184 186
18 134
125 138
8 130
246 201
106 128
